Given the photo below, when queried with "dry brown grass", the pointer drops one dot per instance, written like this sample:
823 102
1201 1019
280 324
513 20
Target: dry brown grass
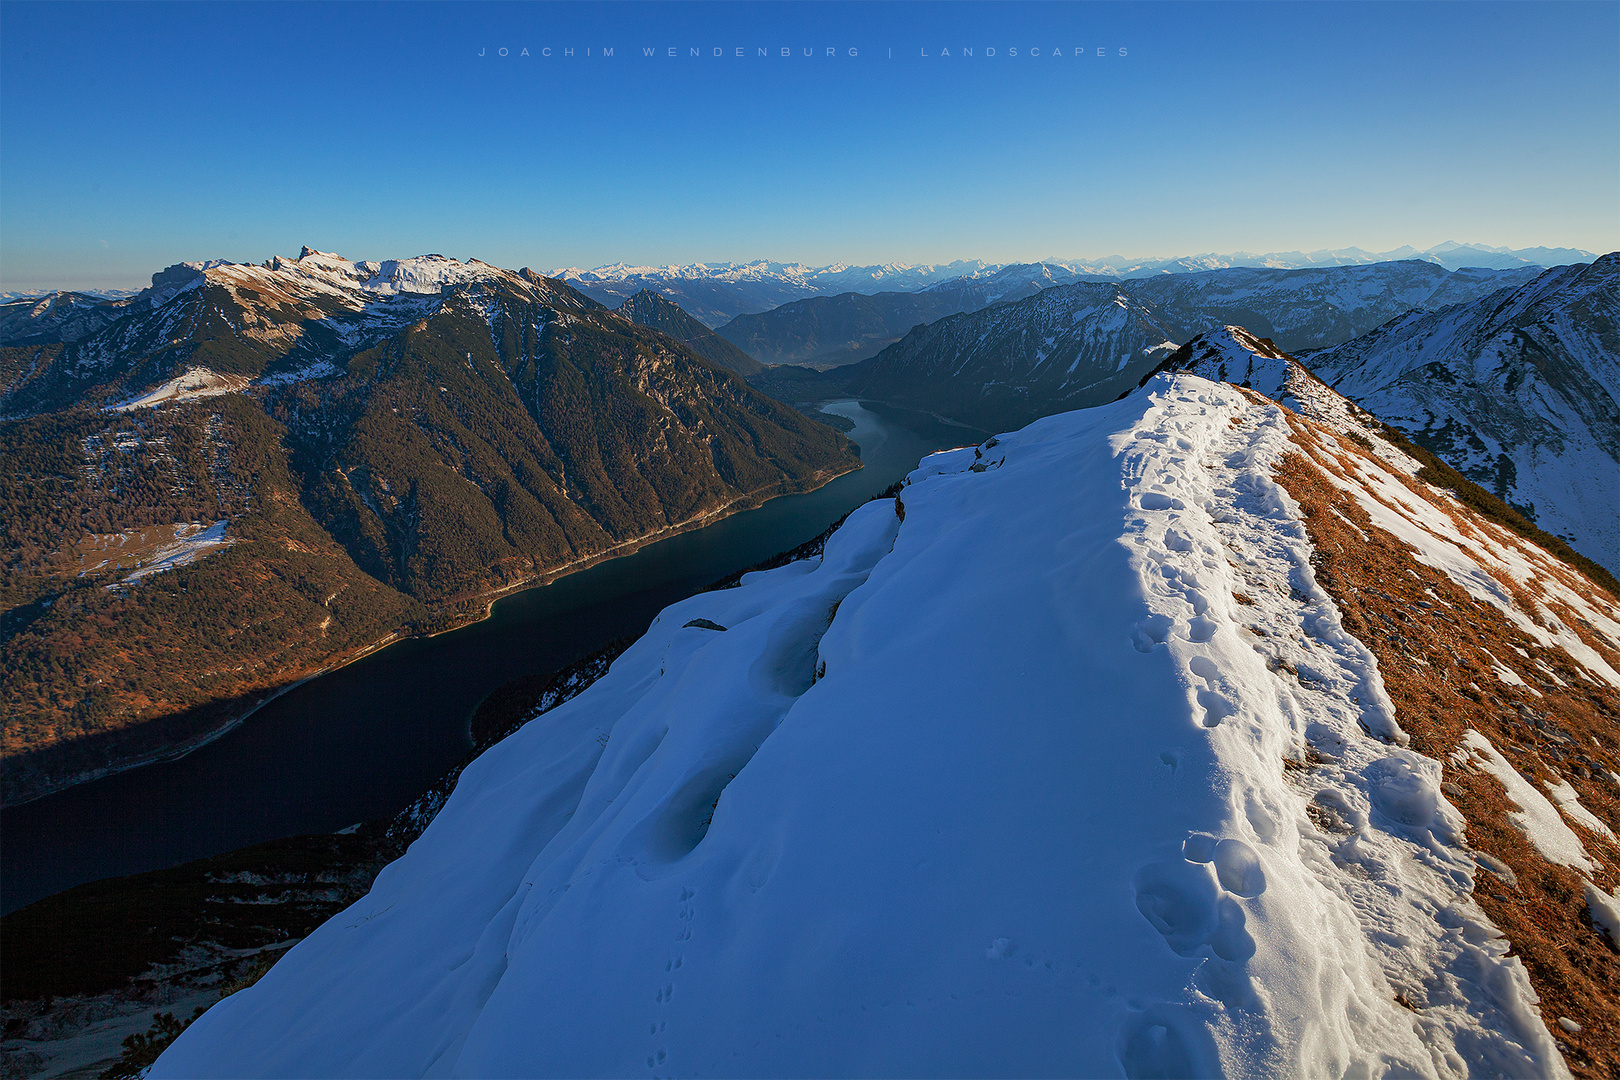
1434 645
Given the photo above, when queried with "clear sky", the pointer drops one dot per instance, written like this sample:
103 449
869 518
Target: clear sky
136 135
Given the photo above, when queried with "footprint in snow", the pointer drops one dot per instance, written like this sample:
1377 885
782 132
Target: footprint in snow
1192 907
1158 500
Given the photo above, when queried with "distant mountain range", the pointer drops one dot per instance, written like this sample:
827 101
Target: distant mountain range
1082 344
827 331
320 455
1510 376
97 294
716 293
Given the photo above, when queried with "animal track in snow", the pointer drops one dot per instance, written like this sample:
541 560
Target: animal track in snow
1216 702
683 916
1237 865
1201 628
686 915
1151 632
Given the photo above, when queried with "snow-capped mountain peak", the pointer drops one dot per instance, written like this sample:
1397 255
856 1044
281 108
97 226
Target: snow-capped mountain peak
422 274
1232 354
292 318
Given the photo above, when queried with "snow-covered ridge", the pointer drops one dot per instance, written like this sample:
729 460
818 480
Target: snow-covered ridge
319 274
426 274
995 787
1536 592
1232 354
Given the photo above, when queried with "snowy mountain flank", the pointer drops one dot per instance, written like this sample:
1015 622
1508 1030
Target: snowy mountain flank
1189 735
1076 345
1520 391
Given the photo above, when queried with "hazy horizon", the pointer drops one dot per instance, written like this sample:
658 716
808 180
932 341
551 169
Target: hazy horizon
139 135
542 267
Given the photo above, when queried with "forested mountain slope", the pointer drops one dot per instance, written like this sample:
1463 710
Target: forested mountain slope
647 308
258 470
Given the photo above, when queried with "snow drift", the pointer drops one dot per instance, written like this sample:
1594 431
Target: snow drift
995 787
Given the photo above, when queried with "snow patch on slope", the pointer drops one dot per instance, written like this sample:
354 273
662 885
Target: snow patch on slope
195 383
1535 817
191 542
1567 799
1486 560
320 369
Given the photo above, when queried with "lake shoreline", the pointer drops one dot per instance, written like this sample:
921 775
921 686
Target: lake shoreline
741 504
369 738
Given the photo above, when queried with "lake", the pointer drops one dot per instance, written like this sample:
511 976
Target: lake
361 742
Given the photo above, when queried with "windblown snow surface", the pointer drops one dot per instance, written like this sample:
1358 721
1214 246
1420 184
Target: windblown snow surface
993 789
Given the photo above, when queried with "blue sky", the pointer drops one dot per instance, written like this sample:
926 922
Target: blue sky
136 135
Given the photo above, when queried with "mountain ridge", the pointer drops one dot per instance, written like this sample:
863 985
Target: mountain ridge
385 446
1298 801
1082 344
717 292
647 308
